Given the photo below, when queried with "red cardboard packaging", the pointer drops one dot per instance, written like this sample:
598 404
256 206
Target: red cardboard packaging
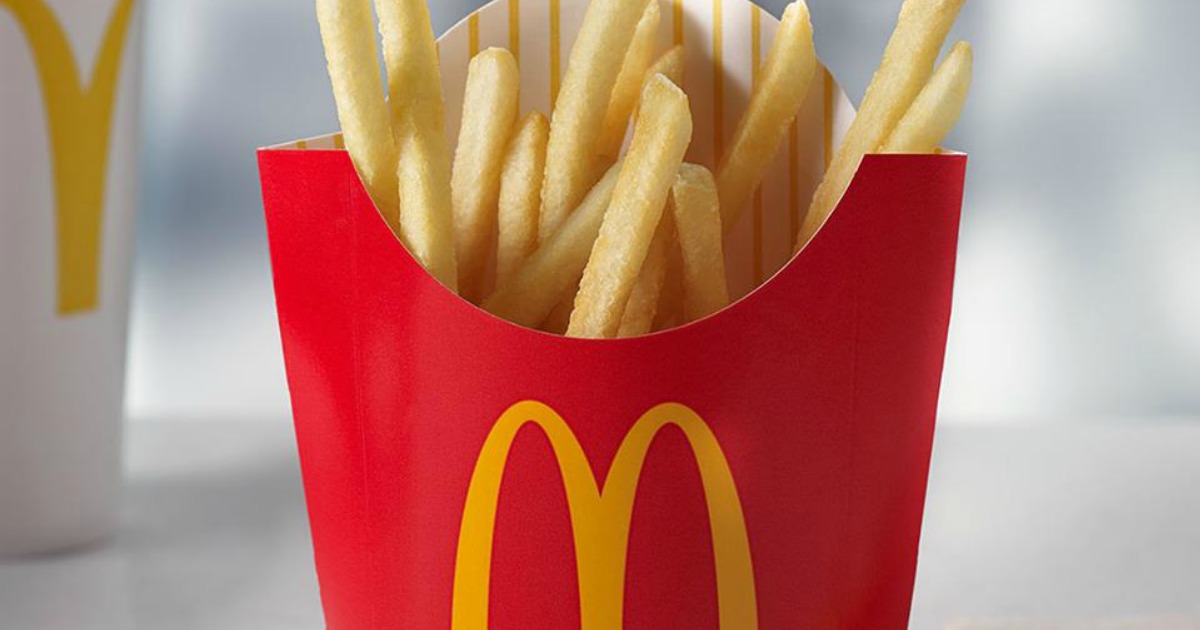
762 468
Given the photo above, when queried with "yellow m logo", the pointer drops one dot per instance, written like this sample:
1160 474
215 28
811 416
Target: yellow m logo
601 518
80 121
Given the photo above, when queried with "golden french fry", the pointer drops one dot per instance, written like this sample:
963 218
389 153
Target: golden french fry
521 196
777 99
358 93
488 118
670 302
529 296
426 219
419 127
698 223
413 71
638 318
592 70
671 65
629 83
560 317
907 64
937 109
660 139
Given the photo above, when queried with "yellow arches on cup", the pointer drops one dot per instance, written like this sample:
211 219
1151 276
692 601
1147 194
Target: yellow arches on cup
80 126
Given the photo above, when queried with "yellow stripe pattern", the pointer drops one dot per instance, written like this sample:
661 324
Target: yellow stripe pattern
828 109
473 34
555 51
755 74
514 29
718 56
514 36
678 14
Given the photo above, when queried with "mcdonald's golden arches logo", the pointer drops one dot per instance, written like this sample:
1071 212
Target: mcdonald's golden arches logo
601 517
80 125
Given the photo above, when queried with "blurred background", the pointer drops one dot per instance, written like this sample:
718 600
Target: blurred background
1079 285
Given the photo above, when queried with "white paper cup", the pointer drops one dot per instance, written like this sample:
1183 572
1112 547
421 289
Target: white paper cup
68 189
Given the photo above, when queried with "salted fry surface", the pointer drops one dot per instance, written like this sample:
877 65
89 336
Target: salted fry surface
629 83
698 222
671 65
521 196
595 62
638 318
660 139
489 116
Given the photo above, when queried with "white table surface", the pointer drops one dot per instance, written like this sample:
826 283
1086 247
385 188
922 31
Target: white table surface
1083 525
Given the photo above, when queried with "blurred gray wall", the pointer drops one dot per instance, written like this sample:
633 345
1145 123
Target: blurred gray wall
1079 283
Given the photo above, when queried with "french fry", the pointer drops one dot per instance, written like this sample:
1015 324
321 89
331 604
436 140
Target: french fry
670 299
419 127
520 196
698 223
629 83
906 67
660 139
777 99
560 317
358 93
488 118
426 218
592 70
528 298
937 109
638 318
413 71
671 65
584 247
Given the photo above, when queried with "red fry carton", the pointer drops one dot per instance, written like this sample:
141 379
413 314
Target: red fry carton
762 468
